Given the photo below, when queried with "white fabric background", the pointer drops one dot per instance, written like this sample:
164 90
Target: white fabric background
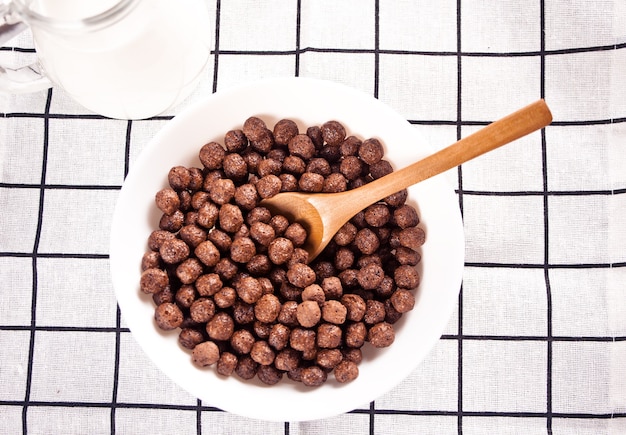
538 342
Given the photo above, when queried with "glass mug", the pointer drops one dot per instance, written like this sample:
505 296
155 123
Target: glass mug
126 59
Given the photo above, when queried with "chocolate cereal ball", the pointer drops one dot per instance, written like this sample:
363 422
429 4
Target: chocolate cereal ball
165 295
288 314
220 327
179 178
264 143
269 186
189 271
315 293
241 341
207 253
356 334
208 284
249 289
226 364
333 133
225 297
157 237
287 359
329 336
302 339
193 235
222 191
296 233
190 338
301 275
311 182
153 281
208 212
262 233
334 312
167 200
301 146
328 358
313 376
235 167
284 131
377 215
202 310
212 155
246 368
355 307
246 196
351 167
332 287
172 222
254 128
242 250
235 141
230 218
168 316
279 336
412 238
205 354
380 169
269 166
262 353
259 265
391 314
381 335
174 251
371 151
308 314
366 241
402 300
405 216
370 276
268 374
280 250
406 256
406 277
346 371
374 312
267 308
185 296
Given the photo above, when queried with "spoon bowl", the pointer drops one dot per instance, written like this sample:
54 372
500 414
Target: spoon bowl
323 214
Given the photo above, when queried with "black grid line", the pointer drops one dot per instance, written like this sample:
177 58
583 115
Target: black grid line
546 222
33 321
460 193
302 50
296 66
368 411
118 312
372 407
216 51
460 337
425 122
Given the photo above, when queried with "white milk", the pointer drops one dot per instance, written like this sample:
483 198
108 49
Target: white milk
136 68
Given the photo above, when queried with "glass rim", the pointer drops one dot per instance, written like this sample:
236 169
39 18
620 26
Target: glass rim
100 20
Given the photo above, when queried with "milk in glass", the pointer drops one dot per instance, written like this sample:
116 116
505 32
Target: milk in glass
138 66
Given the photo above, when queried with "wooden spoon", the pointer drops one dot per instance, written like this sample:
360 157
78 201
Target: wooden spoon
323 214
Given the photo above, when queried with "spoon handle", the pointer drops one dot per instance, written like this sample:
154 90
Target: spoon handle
520 123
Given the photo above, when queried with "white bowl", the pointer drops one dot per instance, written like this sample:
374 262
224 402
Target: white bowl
308 102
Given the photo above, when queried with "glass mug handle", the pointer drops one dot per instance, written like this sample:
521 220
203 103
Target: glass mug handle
29 78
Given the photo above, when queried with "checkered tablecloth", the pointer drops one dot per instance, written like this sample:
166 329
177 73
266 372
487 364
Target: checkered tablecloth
537 344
